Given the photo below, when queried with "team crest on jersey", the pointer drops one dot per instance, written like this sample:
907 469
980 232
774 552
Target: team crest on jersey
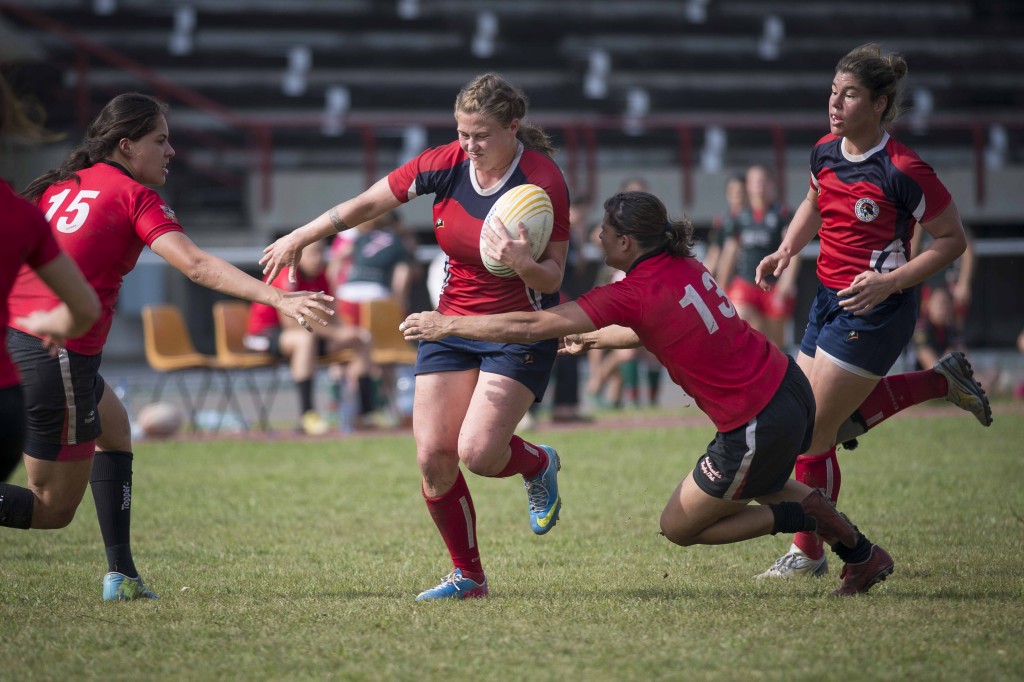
439 223
168 212
866 210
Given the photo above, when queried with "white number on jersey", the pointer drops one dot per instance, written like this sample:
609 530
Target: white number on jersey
74 214
693 298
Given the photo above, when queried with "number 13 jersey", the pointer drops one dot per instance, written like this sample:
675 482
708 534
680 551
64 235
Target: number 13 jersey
682 316
102 223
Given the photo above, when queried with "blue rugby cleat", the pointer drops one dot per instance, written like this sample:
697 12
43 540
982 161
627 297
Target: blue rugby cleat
454 586
119 586
545 502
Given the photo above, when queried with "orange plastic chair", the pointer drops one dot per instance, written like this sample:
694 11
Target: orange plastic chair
170 352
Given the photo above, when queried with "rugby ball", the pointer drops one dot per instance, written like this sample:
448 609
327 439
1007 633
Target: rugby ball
526 204
160 420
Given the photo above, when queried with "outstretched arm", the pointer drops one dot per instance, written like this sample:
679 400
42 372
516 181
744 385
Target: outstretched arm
518 327
285 252
216 273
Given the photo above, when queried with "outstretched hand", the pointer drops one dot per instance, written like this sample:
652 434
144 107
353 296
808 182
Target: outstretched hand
575 344
306 307
425 326
284 253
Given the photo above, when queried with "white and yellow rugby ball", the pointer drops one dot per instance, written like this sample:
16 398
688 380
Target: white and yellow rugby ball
526 204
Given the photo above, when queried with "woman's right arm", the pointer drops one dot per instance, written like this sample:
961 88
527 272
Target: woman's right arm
805 224
285 252
78 312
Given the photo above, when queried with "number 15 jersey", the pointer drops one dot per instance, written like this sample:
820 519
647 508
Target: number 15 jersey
682 316
102 223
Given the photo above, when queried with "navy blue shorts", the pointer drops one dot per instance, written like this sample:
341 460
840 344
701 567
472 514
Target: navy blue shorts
62 419
757 458
871 342
528 363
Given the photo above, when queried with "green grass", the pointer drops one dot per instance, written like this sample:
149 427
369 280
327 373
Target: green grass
300 560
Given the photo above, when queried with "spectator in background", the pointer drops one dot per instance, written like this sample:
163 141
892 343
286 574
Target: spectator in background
378 266
270 332
936 333
565 406
957 278
735 202
753 234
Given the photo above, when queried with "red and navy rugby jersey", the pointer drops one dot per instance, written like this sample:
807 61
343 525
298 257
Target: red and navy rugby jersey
460 206
869 205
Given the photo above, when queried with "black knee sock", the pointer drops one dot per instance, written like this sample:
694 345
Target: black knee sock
16 505
305 388
790 518
111 484
860 553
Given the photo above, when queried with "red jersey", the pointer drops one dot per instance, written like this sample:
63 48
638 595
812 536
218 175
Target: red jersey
682 316
103 223
27 240
263 318
460 206
869 205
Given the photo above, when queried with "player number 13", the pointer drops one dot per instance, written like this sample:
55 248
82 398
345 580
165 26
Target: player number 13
694 299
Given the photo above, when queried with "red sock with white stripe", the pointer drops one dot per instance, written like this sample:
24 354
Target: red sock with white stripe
526 459
455 518
898 392
817 471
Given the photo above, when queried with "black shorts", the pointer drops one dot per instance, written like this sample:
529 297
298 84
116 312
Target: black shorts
757 458
12 429
62 420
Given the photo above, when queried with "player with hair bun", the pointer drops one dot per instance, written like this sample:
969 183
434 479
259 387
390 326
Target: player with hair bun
757 397
867 194
470 395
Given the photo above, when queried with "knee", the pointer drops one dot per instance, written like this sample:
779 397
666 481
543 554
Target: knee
675 531
48 515
478 457
437 467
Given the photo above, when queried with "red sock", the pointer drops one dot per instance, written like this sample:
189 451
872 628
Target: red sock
455 518
896 393
526 459
817 471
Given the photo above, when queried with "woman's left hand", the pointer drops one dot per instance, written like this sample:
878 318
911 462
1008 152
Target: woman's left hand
284 253
515 253
868 289
425 326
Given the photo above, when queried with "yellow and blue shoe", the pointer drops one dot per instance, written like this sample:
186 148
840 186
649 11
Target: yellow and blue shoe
120 586
545 502
455 586
964 390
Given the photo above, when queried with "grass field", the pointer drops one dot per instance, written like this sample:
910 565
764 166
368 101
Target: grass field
300 560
